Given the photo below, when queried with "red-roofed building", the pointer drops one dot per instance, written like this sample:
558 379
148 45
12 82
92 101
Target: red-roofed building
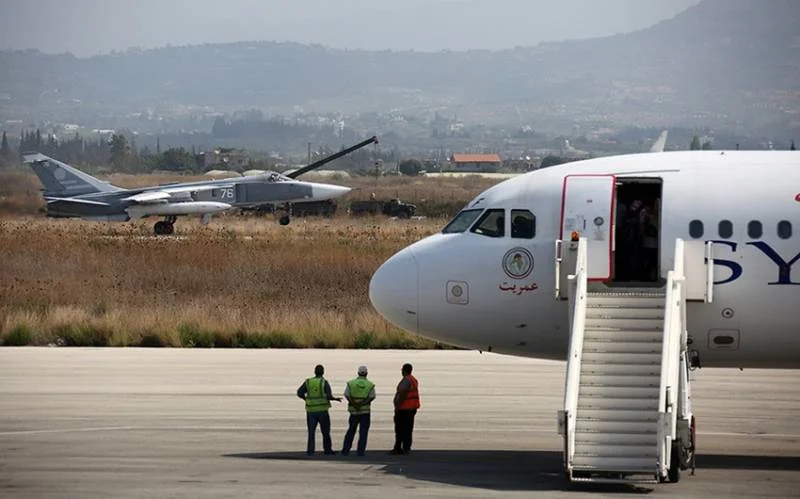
476 162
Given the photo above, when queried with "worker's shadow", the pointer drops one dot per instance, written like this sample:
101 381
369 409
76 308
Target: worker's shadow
487 469
512 470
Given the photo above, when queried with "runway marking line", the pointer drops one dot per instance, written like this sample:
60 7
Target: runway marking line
67 430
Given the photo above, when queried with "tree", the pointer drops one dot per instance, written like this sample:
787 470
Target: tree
411 167
6 155
119 150
791 147
706 145
177 159
552 161
695 144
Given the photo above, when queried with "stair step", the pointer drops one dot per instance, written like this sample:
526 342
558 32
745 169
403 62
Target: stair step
617 416
629 464
592 379
647 451
624 313
617 477
617 403
627 335
622 347
624 324
631 359
626 392
600 369
598 426
622 439
630 300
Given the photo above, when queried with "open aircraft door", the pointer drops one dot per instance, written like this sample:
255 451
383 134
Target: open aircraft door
587 210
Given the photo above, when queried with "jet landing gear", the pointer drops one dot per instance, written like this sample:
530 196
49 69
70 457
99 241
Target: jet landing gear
284 219
165 227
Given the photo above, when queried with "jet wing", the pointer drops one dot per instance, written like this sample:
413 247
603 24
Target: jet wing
194 188
163 195
148 197
77 201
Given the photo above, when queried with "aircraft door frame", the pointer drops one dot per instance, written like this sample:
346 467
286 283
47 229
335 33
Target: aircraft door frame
588 208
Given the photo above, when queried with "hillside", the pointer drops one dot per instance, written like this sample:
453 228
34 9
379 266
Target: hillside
723 62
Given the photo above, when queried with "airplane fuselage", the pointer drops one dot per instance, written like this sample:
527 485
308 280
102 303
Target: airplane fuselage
461 287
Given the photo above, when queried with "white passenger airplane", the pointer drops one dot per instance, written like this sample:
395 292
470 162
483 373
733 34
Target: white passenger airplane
687 260
748 202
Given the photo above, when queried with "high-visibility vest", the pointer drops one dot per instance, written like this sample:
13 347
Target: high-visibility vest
360 389
412 395
316 399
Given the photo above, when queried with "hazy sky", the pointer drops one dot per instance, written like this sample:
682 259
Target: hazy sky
88 27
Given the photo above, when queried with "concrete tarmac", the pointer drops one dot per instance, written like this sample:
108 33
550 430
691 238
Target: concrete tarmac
110 422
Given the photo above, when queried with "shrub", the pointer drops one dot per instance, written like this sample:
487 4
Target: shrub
365 340
151 340
253 340
280 339
83 335
193 336
222 340
19 336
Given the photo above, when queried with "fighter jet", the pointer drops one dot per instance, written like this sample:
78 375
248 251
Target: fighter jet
72 193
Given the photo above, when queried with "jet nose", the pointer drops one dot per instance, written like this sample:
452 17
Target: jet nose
328 191
393 290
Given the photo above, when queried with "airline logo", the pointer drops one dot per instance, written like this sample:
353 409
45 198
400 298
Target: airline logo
518 263
783 264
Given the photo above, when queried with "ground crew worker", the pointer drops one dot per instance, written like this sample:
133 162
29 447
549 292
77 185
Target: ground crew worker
316 392
359 392
406 403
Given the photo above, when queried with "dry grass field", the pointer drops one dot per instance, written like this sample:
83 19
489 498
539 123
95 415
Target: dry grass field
240 281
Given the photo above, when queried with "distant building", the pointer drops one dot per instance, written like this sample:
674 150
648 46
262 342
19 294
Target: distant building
483 163
230 159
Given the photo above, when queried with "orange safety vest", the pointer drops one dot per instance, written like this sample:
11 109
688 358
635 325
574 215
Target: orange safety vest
412 395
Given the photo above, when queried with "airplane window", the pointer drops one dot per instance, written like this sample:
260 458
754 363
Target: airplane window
523 224
461 222
754 230
784 229
492 224
725 229
696 229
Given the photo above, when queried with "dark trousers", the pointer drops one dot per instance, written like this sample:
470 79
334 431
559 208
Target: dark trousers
403 429
324 420
362 422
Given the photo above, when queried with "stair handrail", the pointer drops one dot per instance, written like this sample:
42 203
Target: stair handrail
709 272
578 283
674 335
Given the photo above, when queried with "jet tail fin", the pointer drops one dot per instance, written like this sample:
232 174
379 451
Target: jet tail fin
61 180
661 141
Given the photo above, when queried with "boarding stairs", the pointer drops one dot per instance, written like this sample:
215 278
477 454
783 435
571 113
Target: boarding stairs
627 412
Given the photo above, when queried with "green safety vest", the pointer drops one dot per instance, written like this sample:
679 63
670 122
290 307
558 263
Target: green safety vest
316 400
360 389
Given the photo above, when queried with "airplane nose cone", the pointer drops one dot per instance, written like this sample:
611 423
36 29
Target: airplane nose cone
393 290
327 191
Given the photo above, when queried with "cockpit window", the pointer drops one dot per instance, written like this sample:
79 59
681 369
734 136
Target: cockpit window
462 222
276 177
523 224
492 224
